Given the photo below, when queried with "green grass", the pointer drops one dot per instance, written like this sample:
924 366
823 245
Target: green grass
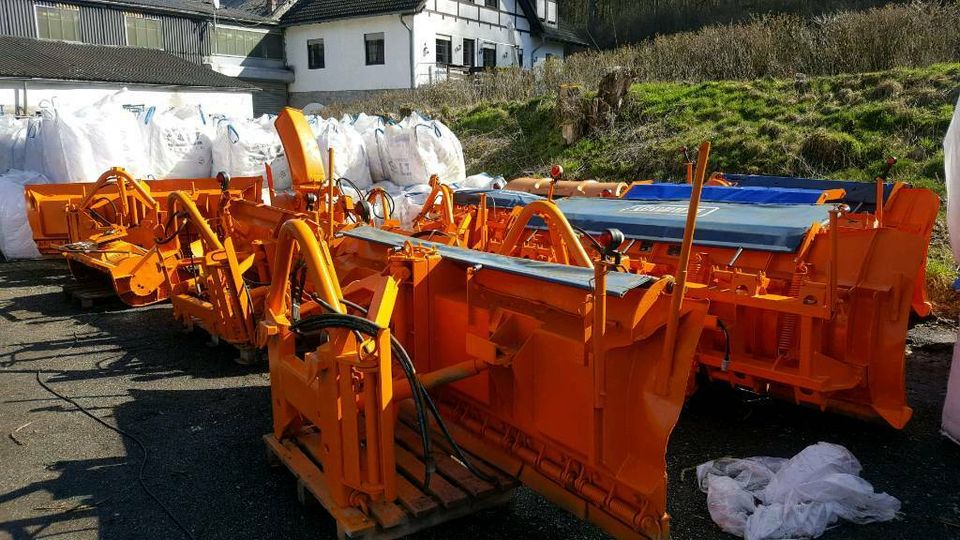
841 127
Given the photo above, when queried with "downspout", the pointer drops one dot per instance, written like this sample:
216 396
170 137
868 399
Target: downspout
413 56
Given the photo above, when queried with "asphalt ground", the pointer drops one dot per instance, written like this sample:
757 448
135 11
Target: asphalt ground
201 418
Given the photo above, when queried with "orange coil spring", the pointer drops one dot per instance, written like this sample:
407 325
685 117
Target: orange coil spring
788 329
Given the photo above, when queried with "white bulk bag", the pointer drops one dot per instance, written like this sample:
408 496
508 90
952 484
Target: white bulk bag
950 422
280 169
371 129
33 149
349 152
951 161
80 145
416 149
16 238
178 143
482 181
242 147
13 139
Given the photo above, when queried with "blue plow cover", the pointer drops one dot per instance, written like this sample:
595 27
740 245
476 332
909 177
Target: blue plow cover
618 283
745 195
858 193
496 198
779 228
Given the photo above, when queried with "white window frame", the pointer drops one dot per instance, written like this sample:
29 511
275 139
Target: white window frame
57 5
136 15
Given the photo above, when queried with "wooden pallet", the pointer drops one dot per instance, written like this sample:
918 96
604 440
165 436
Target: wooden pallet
87 295
453 491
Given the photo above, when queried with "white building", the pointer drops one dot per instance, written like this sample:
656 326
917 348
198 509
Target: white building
344 50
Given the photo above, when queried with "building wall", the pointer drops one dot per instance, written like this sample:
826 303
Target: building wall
346 75
184 36
80 93
346 67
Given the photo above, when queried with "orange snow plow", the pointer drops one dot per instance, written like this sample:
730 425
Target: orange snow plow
110 228
568 379
232 262
810 291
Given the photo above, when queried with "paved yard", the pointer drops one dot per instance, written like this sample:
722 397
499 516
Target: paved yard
201 417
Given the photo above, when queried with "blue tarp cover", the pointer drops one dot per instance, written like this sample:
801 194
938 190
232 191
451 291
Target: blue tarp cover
618 283
858 193
779 228
496 198
746 195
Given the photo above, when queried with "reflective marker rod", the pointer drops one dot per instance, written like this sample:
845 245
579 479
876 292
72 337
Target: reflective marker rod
679 288
330 195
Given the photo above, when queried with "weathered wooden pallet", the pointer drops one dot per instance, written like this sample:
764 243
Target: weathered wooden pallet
453 491
87 295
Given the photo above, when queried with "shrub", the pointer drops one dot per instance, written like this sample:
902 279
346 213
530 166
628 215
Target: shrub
830 149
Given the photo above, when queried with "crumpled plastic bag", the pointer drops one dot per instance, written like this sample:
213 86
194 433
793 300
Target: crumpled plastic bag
763 498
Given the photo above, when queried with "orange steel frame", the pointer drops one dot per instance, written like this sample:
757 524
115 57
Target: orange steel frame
496 347
110 228
233 263
825 326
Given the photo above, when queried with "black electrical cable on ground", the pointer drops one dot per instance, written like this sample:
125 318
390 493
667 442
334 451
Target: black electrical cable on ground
143 449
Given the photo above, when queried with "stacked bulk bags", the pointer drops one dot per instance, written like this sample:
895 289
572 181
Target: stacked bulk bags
178 142
78 145
349 150
417 148
371 130
16 238
242 147
13 138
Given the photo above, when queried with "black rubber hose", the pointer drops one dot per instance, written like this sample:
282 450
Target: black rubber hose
371 329
726 349
434 410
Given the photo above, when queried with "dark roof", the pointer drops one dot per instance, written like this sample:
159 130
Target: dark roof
566 35
305 11
530 11
28 58
243 10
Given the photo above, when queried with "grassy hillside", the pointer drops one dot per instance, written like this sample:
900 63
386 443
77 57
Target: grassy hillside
836 127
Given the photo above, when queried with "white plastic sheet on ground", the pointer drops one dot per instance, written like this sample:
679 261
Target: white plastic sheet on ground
178 142
16 238
416 149
762 498
242 147
79 145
